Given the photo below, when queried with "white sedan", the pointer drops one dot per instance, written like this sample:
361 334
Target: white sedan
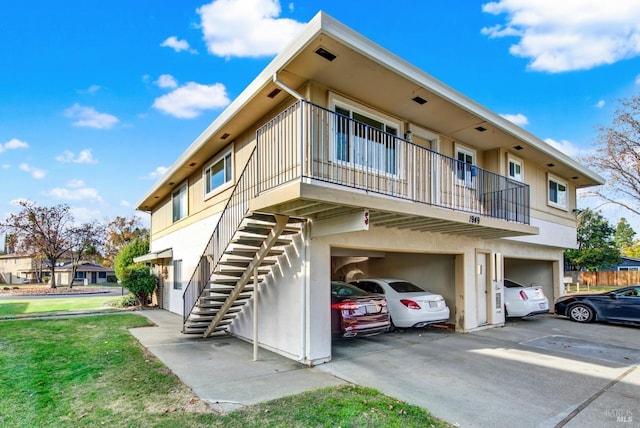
409 305
522 301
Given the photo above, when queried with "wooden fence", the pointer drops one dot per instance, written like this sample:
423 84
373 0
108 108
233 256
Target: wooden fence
604 278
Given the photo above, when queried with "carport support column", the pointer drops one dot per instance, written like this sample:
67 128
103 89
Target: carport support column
255 313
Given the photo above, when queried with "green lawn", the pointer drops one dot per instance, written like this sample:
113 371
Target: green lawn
13 308
89 371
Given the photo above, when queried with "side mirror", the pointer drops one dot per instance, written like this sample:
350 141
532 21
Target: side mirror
613 296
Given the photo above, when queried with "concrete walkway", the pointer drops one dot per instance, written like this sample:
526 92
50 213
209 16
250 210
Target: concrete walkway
220 370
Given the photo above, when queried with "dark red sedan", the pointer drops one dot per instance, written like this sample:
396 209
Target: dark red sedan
355 312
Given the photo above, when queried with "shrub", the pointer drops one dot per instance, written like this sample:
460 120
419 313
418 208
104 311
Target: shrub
112 279
125 301
124 259
139 281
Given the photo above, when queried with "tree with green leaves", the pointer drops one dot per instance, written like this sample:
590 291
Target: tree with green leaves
139 280
124 259
85 239
596 246
623 236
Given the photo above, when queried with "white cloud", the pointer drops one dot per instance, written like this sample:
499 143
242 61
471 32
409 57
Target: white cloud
75 194
90 90
75 183
166 81
569 34
89 117
84 157
5 166
246 28
518 119
125 203
85 215
600 104
637 79
13 144
191 99
35 172
566 147
177 44
156 173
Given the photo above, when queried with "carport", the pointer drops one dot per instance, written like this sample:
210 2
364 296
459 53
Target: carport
532 272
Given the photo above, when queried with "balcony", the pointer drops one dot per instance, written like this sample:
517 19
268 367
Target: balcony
315 163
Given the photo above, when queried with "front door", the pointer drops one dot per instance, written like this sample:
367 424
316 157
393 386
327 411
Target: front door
481 288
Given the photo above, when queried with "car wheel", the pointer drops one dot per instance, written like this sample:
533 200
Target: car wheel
581 313
392 327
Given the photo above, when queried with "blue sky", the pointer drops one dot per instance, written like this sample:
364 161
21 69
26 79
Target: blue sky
97 99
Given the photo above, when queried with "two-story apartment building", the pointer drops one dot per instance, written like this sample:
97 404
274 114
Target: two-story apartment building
343 161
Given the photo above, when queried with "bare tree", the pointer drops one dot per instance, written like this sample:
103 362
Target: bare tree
120 232
46 232
617 156
85 239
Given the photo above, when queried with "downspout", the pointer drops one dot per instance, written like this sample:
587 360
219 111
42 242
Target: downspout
303 297
287 88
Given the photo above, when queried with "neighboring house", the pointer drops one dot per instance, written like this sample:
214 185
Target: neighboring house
18 269
626 264
86 273
341 161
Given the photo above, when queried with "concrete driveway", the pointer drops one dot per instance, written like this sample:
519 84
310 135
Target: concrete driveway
539 372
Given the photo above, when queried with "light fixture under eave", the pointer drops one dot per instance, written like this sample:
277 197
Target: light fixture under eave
192 164
575 178
551 165
419 100
480 128
518 147
274 93
224 136
325 54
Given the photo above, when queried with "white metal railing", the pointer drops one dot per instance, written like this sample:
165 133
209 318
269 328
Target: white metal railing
309 141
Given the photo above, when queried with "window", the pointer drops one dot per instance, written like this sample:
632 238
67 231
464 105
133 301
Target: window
80 275
218 173
557 193
179 197
102 275
515 169
629 268
177 274
365 140
465 166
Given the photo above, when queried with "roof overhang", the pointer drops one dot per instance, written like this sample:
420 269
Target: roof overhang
396 82
152 257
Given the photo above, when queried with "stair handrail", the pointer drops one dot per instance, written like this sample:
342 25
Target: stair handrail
232 215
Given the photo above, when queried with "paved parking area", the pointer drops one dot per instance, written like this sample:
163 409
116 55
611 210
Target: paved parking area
539 372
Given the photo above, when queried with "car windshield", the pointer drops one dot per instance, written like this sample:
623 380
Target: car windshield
344 289
405 287
511 284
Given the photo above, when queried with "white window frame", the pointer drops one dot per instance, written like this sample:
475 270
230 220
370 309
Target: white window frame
469 173
229 152
336 100
184 211
557 204
518 162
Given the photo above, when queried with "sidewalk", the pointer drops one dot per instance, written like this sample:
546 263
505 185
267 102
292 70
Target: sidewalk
220 370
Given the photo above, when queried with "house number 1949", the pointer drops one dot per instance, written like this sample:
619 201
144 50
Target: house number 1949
474 219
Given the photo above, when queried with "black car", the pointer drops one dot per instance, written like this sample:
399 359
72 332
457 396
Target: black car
355 312
618 306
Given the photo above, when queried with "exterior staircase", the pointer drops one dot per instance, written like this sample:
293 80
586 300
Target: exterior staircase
252 251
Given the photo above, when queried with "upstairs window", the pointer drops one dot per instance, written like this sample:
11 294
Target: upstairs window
515 170
465 165
557 193
363 140
179 202
219 173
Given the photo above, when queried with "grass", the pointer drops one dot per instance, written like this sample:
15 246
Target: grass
89 371
18 307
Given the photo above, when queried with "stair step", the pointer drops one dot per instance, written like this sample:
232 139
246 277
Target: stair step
262 217
256 243
204 311
250 254
230 281
223 297
245 262
238 272
214 305
225 289
265 229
